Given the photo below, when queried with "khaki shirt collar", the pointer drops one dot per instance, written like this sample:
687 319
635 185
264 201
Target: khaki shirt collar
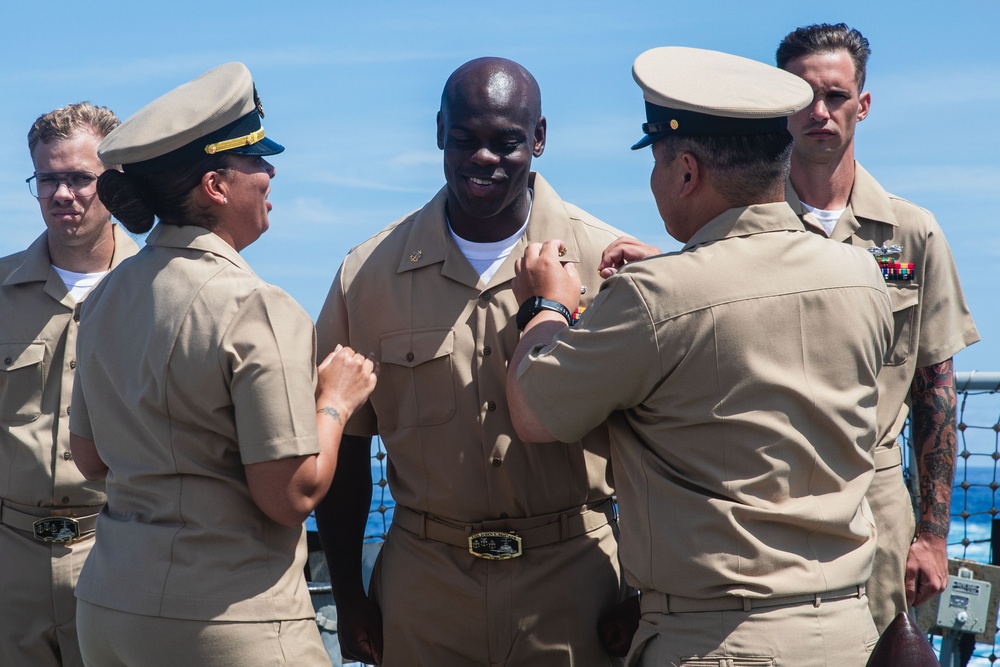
430 242
867 201
746 221
36 264
195 238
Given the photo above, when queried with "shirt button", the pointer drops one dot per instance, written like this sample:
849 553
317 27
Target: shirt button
486 296
68 456
491 406
487 351
497 461
67 410
65 500
76 316
72 364
8 361
409 356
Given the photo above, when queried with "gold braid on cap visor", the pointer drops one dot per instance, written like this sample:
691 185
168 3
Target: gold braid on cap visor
238 142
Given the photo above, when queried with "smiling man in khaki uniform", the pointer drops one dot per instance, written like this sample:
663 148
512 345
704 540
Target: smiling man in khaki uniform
430 296
739 376
836 197
41 290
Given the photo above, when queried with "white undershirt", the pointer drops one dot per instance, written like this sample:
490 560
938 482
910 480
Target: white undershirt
79 284
827 218
486 258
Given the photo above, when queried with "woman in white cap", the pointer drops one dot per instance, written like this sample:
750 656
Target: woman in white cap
198 399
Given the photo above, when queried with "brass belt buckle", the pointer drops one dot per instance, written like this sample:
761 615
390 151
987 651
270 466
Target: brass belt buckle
495 546
57 529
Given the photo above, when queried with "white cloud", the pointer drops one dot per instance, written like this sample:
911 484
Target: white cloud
976 182
952 87
417 159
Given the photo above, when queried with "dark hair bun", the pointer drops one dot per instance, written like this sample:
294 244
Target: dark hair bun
125 201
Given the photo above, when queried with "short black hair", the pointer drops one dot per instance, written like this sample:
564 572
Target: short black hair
825 38
743 168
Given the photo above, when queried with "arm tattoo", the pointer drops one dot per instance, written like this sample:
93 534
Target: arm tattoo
332 412
934 440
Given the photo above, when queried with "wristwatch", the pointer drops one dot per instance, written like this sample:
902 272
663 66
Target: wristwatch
537 304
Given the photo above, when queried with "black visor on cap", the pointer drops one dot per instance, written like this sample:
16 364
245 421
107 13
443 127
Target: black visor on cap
263 147
664 121
192 151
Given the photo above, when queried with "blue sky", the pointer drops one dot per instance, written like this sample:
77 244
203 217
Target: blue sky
351 90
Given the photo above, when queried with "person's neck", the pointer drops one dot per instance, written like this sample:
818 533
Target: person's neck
84 259
489 230
825 185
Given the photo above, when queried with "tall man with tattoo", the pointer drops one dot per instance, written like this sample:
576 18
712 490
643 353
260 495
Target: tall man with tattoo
836 197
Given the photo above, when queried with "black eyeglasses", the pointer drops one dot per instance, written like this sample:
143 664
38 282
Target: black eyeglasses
43 185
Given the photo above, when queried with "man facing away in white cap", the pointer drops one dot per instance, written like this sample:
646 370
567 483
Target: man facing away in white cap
738 377
49 510
834 196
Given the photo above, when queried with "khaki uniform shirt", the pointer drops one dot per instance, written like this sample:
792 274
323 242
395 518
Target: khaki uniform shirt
38 329
443 340
740 376
191 367
931 322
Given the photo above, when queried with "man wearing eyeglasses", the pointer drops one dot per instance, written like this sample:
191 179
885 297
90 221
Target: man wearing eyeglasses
47 509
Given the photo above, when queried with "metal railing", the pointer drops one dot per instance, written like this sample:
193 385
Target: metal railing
975 505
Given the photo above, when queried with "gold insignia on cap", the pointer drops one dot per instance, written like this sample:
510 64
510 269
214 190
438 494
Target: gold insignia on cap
238 142
674 124
256 102
415 256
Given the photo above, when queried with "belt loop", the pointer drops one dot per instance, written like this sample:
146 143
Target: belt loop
563 527
747 605
861 591
666 604
818 600
422 534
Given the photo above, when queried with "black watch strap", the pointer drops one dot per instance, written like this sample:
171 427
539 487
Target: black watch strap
537 304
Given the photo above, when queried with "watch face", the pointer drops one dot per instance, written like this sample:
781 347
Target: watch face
527 310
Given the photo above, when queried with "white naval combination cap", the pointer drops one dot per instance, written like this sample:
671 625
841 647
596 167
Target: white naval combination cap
696 92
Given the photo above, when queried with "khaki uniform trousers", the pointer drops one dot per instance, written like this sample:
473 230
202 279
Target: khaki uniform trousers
895 524
442 606
38 610
111 638
836 633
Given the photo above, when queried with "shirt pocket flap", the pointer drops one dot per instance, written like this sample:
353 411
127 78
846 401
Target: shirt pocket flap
903 295
14 356
412 348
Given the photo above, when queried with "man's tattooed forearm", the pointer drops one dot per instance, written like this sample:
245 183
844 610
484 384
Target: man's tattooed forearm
332 412
937 472
933 420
